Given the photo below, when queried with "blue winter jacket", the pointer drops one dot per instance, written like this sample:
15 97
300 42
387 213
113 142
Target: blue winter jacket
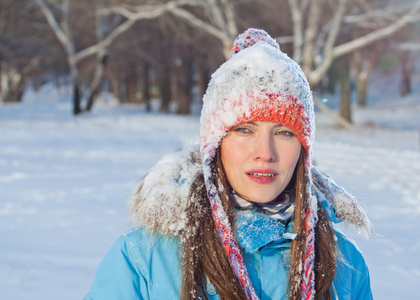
145 266
145 263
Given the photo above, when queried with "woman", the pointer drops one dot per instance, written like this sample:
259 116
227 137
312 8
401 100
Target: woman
243 215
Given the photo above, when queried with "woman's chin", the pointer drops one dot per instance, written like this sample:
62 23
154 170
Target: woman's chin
261 200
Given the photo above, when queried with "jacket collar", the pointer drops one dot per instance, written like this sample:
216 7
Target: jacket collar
160 204
255 230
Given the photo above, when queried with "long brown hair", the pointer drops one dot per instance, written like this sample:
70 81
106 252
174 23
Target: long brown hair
203 257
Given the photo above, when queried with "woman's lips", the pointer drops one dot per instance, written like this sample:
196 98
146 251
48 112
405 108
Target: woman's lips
262 176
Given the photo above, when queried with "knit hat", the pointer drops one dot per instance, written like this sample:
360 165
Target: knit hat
259 83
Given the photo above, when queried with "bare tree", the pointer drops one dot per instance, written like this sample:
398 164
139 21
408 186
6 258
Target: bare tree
63 31
220 21
318 37
194 35
64 34
363 65
316 61
19 51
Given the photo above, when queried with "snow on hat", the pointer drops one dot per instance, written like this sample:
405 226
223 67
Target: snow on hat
259 83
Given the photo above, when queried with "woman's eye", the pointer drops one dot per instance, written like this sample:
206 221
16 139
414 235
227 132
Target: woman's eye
286 133
242 129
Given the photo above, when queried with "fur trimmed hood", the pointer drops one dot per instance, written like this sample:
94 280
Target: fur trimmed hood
161 203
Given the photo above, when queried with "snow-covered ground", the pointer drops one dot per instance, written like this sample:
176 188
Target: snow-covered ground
64 182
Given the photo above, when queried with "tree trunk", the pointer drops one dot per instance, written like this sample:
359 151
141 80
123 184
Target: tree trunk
363 69
76 99
92 96
11 84
203 80
406 73
74 70
312 28
101 59
115 87
345 89
131 86
146 86
362 87
165 89
185 83
332 80
183 100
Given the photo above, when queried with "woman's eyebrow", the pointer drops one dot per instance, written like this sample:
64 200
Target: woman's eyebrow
279 125
246 123
255 124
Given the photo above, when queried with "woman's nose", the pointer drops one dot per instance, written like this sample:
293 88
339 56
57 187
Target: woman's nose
264 148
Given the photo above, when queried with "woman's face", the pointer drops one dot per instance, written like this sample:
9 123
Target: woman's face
259 159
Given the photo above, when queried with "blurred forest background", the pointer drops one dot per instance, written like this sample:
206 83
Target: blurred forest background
143 50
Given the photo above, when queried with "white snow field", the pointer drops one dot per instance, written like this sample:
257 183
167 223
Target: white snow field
65 181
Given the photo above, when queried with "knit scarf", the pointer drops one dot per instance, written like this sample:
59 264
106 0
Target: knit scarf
281 208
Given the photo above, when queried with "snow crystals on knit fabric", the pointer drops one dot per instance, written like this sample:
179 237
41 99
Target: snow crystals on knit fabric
252 73
250 38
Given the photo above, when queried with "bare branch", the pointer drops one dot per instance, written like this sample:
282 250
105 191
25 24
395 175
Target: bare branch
193 20
281 40
316 75
144 12
107 41
390 13
409 46
215 14
335 27
376 35
222 14
297 20
224 29
337 118
310 35
139 12
58 31
329 45
230 17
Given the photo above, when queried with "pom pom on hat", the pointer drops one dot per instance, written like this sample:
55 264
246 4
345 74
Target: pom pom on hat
250 38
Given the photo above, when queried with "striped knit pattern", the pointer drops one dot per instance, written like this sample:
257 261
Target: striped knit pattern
279 107
282 209
308 276
225 232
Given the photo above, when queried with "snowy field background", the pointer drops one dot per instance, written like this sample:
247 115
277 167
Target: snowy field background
64 183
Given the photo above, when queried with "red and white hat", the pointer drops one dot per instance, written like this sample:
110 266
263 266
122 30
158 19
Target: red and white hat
259 83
